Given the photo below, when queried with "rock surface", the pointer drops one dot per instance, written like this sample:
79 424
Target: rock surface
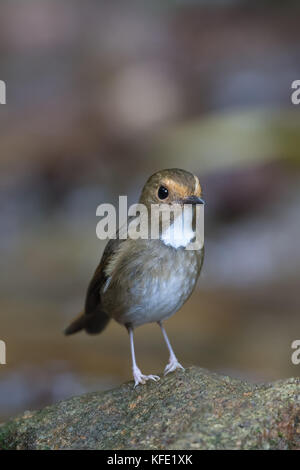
191 409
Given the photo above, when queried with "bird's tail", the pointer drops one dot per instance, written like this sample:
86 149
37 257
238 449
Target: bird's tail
92 323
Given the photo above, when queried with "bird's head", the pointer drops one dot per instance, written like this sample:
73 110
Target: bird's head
172 186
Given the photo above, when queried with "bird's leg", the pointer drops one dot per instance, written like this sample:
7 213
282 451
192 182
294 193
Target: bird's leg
139 378
173 362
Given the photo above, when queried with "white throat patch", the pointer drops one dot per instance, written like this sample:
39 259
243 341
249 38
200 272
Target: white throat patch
180 232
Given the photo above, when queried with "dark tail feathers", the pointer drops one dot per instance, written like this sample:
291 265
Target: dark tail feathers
92 323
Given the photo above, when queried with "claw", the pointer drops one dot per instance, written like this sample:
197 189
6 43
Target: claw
173 365
140 378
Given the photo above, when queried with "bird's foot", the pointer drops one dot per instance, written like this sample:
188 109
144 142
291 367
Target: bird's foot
140 378
173 365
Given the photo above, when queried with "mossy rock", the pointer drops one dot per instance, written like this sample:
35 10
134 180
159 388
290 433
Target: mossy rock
191 409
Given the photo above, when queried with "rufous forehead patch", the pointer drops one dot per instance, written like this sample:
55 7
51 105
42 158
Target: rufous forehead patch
183 190
176 188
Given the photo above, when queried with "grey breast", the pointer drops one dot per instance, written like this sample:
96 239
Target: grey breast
150 282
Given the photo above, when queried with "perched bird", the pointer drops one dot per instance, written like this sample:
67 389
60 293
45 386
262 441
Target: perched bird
142 281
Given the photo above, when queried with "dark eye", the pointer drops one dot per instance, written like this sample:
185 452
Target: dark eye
163 193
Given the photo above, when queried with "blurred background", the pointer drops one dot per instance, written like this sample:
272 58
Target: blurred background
99 96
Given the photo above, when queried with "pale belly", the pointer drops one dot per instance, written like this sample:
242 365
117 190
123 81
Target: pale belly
160 300
155 295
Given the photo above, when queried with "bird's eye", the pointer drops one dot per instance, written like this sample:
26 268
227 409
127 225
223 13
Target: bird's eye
163 192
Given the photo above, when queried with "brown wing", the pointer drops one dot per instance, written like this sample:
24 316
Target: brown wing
93 299
93 319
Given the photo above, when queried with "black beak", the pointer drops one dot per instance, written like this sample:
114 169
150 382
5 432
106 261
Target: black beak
193 200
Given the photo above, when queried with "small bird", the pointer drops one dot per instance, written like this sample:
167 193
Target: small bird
141 281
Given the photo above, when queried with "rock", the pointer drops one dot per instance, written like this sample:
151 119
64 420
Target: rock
191 409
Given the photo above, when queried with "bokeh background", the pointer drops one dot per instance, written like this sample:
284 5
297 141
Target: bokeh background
99 96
